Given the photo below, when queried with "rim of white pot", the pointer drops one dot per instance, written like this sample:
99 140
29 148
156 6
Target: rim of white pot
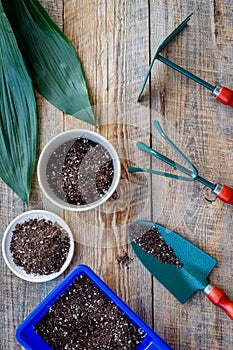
7 255
57 141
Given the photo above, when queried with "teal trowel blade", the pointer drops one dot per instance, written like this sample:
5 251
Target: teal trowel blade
181 282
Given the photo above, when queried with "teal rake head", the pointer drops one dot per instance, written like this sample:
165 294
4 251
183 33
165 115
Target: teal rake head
222 94
224 193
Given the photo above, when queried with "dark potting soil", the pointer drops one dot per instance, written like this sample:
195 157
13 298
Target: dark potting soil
84 318
153 243
80 172
124 260
39 246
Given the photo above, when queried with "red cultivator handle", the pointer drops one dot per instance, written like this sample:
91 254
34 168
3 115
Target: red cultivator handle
223 95
219 298
224 193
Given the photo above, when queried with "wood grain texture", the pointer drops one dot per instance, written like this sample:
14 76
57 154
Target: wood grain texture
115 41
115 36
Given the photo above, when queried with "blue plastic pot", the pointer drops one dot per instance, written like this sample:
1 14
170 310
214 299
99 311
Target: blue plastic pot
27 337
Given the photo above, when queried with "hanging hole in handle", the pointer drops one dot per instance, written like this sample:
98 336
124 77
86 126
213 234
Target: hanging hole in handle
208 195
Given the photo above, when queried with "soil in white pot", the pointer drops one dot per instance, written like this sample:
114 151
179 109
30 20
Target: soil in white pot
80 171
39 246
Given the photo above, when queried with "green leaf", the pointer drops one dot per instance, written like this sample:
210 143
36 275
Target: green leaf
18 115
52 61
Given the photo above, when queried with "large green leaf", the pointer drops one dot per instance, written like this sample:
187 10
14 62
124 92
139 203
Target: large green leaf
52 61
18 115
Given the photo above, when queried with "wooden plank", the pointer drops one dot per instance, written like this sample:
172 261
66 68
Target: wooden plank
115 42
110 38
203 128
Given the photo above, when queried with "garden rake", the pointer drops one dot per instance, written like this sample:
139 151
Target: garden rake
222 94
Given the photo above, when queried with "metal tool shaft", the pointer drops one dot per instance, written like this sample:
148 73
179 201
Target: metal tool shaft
192 174
186 73
177 167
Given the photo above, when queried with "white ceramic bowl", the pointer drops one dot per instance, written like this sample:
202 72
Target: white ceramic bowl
53 145
19 271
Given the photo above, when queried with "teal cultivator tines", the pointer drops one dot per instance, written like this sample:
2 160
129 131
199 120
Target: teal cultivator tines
224 193
222 94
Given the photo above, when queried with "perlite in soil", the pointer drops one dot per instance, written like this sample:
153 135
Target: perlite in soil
40 247
80 171
84 318
153 243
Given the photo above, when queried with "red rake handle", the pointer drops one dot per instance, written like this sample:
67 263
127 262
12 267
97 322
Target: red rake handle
225 194
224 95
219 298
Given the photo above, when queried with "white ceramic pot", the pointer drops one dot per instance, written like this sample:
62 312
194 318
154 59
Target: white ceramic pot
52 146
6 241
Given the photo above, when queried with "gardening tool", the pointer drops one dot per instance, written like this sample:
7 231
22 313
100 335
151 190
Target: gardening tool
183 281
222 94
223 192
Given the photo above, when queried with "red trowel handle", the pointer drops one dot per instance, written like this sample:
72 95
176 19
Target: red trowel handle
223 95
224 193
219 298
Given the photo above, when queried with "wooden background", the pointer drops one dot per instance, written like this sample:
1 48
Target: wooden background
115 41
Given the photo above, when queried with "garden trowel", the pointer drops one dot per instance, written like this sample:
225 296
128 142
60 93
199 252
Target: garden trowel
187 276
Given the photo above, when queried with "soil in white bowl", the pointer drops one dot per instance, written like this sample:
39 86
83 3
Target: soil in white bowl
39 246
80 171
